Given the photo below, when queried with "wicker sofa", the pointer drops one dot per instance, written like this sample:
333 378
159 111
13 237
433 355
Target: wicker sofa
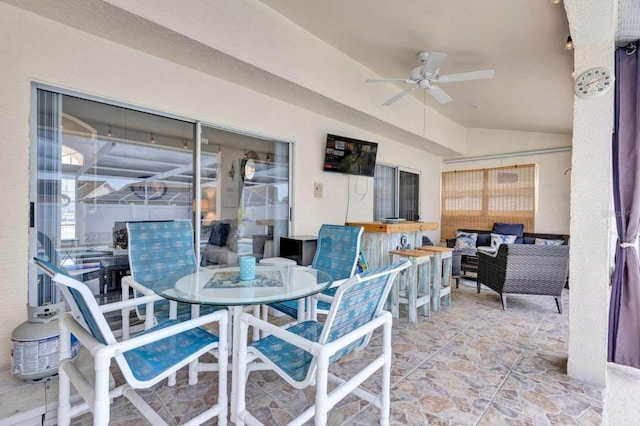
525 269
469 257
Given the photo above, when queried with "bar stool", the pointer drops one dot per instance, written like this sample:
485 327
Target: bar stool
441 275
416 289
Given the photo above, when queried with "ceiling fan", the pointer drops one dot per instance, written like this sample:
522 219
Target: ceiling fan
426 75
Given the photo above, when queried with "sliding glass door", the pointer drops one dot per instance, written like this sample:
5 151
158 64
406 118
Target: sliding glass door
100 165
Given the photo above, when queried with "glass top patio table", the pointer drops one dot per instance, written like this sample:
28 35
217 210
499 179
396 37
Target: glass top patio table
221 285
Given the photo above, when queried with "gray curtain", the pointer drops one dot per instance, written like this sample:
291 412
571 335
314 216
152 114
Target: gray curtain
624 312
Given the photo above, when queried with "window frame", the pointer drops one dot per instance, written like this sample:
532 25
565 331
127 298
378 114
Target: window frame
397 170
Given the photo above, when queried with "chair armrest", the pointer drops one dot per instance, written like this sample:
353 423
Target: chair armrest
337 283
310 346
221 316
94 346
247 320
129 303
323 297
128 280
482 251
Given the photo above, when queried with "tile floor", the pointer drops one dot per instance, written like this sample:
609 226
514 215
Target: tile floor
469 364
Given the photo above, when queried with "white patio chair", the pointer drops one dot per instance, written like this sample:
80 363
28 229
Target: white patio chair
159 250
337 254
303 353
144 360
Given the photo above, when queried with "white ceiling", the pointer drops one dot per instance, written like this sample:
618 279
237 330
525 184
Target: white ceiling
523 40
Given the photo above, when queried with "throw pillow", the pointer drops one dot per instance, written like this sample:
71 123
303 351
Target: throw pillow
219 234
508 229
484 239
497 239
466 239
543 242
426 241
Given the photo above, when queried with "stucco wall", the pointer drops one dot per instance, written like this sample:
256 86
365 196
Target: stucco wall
592 26
554 176
37 49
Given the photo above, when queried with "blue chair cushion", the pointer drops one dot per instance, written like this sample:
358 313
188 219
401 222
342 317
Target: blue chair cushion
148 361
289 358
516 229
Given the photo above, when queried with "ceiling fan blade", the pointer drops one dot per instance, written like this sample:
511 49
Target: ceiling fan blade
389 80
439 94
400 95
433 62
464 76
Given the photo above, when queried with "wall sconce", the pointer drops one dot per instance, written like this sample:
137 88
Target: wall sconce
569 44
232 172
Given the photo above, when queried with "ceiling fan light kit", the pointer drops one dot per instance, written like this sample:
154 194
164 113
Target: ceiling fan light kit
426 75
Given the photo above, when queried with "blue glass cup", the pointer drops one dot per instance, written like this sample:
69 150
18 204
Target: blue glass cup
247 268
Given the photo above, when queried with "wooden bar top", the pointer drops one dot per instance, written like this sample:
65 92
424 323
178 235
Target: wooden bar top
434 248
411 253
388 228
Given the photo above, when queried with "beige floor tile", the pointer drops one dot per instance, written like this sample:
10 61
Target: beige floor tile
469 364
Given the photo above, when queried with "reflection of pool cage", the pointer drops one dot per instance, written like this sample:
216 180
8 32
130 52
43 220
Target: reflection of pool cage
263 205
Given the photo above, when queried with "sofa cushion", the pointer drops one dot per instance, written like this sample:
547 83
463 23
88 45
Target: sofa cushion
545 242
483 239
497 239
219 234
528 240
466 240
508 229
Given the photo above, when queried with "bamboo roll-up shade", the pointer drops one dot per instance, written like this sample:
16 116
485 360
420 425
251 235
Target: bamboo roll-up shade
475 199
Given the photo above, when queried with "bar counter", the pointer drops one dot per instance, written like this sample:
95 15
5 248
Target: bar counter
381 237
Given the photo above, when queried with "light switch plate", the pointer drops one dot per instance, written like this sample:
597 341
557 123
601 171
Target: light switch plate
317 190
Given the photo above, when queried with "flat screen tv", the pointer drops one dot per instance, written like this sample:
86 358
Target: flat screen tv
350 156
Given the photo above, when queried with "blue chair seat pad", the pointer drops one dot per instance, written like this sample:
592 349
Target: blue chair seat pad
148 361
289 358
